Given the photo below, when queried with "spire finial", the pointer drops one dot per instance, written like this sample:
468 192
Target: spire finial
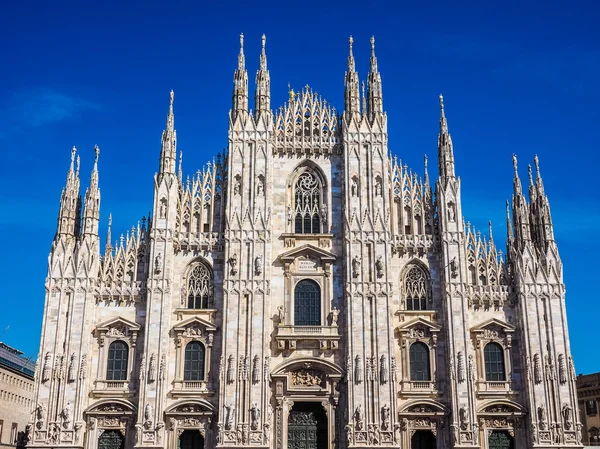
536 161
373 45
241 43
73 152
171 98
530 175
264 42
426 170
97 153
491 234
514 159
291 93
350 41
442 106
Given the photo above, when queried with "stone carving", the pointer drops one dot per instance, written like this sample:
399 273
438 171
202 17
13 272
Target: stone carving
542 417
255 369
138 434
230 369
162 210
393 373
233 260
567 413
237 186
385 417
358 417
463 414
290 214
229 416
549 369
454 267
243 369
378 187
83 366
355 266
152 368
71 373
148 416
92 423
143 367
67 415
562 369
41 415
471 368
157 263
537 369
307 378
159 431
379 267
460 373
254 416
572 368
172 423
451 212
259 187
281 314
354 187
162 368
349 368
383 369
258 265
47 370
323 215
334 316
358 372
266 368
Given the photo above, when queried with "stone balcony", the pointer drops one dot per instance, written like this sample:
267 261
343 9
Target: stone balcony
327 337
111 388
187 388
494 389
418 388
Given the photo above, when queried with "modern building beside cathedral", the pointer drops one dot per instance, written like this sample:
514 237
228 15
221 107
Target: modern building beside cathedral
304 290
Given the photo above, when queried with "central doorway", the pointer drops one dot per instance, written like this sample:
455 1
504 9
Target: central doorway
307 426
500 439
422 439
191 439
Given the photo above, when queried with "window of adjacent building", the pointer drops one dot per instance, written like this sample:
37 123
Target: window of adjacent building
307 303
416 288
307 204
591 407
494 363
118 355
1 429
419 362
14 433
199 287
194 361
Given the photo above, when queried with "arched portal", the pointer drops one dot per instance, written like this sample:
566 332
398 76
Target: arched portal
191 439
422 439
500 439
307 426
111 439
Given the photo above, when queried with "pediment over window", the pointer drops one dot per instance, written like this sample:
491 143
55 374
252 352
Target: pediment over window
117 328
493 327
501 407
308 252
194 327
110 407
417 326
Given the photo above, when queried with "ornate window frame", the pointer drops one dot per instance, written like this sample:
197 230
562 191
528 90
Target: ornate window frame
190 414
404 311
422 414
108 332
192 329
109 414
185 289
503 415
324 206
493 331
423 331
315 264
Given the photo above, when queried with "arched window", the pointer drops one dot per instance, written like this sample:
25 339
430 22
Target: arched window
307 304
118 356
494 363
419 362
416 289
307 204
194 361
199 287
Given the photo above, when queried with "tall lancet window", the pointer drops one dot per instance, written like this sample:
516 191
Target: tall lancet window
307 202
199 287
416 290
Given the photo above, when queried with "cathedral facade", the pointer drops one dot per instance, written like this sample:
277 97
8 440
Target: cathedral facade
304 290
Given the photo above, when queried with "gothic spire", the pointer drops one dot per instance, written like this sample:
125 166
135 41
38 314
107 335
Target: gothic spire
168 152
108 247
426 177
262 97
445 150
545 227
240 84
522 229
91 214
351 94
374 86
70 202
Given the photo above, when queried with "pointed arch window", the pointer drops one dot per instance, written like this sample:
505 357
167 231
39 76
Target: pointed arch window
419 362
194 361
307 304
308 205
118 355
416 288
494 363
199 287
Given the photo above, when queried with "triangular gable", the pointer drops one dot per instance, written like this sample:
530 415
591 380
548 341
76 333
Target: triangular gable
508 328
319 253
419 321
181 327
116 321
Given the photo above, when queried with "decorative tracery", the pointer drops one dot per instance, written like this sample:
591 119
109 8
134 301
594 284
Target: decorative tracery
199 287
416 289
307 202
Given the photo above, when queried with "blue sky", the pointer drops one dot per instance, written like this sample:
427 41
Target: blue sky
516 77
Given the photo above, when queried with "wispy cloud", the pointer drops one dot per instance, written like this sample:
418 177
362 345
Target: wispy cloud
34 108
